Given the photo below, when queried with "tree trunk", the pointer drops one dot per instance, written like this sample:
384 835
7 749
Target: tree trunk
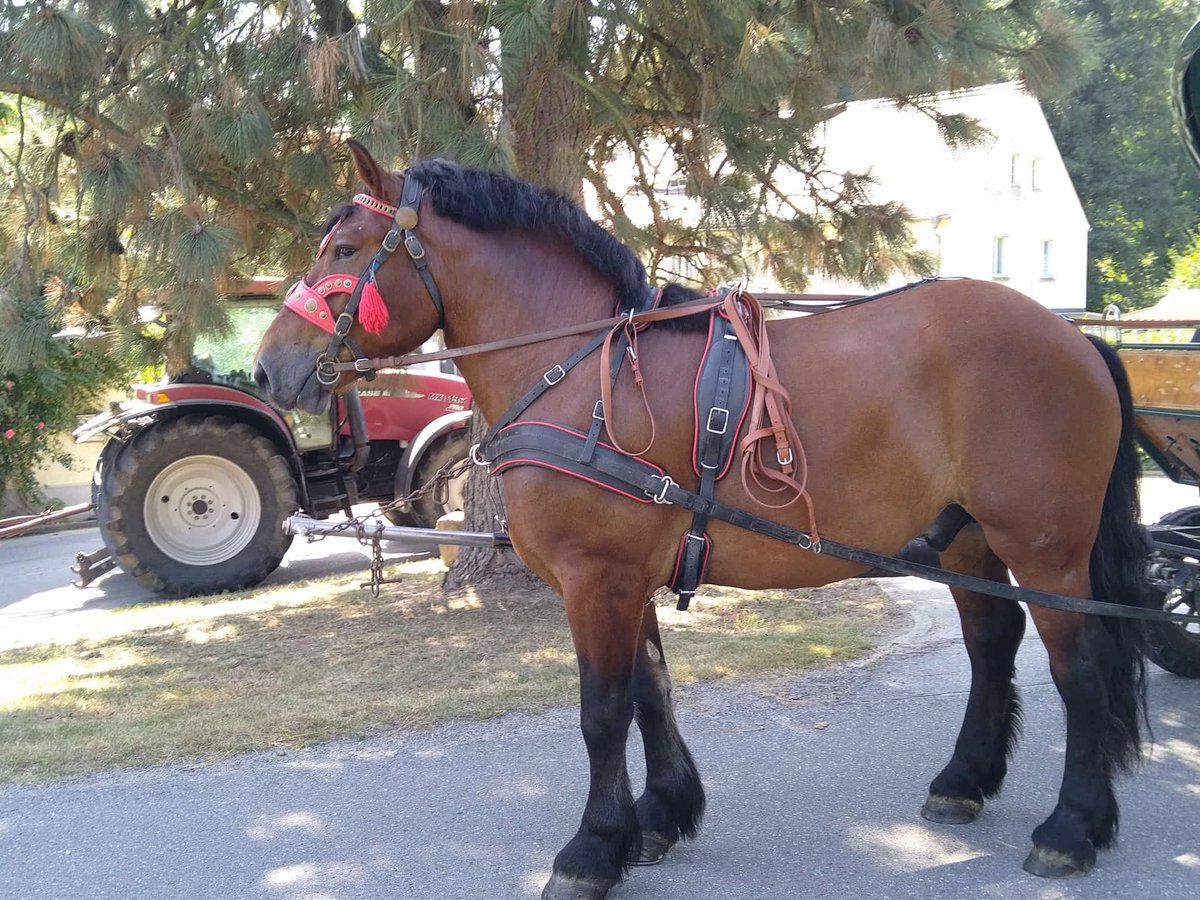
484 502
547 121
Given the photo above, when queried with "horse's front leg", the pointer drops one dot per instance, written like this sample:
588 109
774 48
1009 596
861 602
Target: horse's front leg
672 804
605 614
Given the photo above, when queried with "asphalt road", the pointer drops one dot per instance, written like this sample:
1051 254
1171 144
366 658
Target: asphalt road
813 793
38 601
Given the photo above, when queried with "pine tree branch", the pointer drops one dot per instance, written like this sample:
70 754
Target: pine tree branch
274 213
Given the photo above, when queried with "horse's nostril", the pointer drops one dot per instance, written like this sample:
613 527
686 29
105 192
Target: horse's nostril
260 377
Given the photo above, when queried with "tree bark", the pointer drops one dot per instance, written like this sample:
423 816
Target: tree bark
548 121
484 511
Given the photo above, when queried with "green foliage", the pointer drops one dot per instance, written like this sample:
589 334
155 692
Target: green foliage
149 149
1185 265
1139 190
42 394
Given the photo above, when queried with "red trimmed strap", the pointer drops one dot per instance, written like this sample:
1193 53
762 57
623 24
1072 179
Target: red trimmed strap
310 303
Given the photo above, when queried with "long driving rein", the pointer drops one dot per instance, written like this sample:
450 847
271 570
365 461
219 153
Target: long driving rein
311 304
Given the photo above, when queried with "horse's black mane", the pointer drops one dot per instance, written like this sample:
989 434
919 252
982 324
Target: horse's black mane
489 201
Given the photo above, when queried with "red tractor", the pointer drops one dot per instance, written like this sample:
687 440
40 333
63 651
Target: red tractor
200 472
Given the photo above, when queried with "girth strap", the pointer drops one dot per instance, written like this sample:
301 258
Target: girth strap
557 448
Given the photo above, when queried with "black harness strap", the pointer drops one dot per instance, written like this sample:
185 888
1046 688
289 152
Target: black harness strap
403 230
557 373
558 449
721 396
553 446
410 198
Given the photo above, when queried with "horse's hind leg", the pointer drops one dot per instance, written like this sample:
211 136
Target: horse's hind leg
605 613
992 630
1097 676
672 804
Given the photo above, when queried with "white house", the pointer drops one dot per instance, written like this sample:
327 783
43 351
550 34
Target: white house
1004 209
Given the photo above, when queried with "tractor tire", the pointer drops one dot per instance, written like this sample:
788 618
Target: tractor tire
1175 646
196 506
426 510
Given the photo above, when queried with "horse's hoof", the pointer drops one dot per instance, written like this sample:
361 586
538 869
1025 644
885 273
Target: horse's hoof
950 810
564 887
1055 864
655 845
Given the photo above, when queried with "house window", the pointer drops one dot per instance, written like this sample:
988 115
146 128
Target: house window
1033 174
677 186
1000 256
1047 260
1014 170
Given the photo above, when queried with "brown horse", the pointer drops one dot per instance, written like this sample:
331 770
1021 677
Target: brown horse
952 393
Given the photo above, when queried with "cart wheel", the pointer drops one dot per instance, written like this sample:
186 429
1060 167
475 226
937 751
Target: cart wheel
1171 645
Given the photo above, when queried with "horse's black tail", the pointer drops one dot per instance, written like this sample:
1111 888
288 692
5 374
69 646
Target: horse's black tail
1117 575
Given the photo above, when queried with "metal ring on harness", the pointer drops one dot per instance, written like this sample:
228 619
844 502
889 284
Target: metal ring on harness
326 373
661 496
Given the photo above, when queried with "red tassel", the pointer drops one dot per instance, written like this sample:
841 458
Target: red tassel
372 311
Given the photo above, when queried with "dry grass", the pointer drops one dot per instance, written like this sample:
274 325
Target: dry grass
293 665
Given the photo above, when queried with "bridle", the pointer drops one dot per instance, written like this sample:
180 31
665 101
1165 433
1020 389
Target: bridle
311 303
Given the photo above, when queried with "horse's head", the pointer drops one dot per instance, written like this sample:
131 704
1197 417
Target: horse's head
356 302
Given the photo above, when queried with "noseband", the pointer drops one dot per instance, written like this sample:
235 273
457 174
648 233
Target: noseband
311 302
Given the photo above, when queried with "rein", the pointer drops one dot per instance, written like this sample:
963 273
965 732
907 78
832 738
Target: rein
677 311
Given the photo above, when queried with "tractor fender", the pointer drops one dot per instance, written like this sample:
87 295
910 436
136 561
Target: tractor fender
156 403
153 401
420 444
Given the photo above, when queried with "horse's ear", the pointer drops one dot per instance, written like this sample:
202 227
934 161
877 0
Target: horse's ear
368 170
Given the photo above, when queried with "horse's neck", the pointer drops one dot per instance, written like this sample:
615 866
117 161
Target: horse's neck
529 290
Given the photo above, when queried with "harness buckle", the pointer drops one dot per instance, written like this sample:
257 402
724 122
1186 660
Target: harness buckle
342 326
363 365
391 240
717 412
477 455
598 410
660 496
784 462
555 375
413 246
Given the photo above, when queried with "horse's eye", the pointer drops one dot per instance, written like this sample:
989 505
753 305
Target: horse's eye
344 251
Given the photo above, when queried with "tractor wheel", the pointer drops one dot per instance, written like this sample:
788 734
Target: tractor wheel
196 506
426 510
1175 646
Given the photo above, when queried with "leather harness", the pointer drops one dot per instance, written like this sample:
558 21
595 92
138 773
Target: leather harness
723 386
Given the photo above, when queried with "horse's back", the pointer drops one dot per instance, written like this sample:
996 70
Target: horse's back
951 392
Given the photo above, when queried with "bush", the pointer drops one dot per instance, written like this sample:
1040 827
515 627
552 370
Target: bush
45 398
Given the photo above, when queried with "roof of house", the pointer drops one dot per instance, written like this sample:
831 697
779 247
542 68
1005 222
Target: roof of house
1180 303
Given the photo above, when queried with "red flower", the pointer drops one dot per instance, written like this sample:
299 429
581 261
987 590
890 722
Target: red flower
41 426
9 435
